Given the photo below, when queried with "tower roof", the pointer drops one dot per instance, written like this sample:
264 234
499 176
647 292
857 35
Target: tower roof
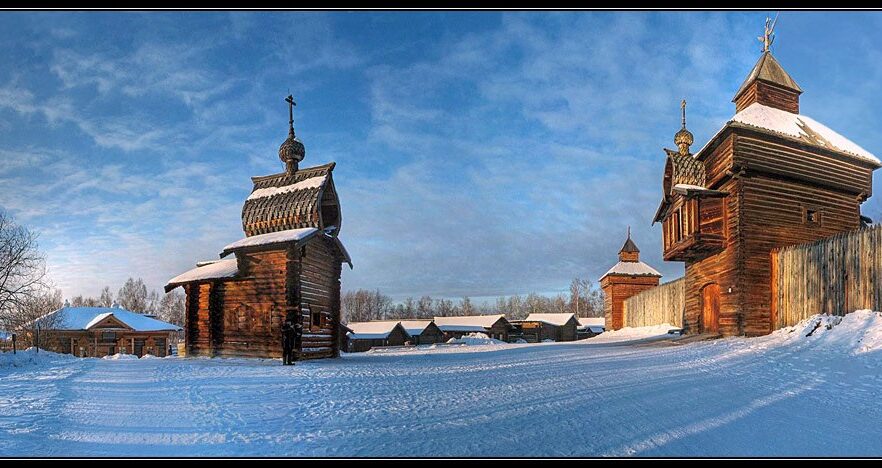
629 246
768 69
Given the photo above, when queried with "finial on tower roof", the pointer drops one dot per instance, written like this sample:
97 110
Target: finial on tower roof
292 150
768 33
683 139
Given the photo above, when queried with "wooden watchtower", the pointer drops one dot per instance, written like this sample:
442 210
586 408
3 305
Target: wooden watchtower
770 177
626 278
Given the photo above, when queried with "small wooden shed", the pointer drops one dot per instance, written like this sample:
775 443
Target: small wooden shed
423 331
367 335
555 327
493 325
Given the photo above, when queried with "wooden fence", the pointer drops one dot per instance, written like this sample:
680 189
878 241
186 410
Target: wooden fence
835 275
663 304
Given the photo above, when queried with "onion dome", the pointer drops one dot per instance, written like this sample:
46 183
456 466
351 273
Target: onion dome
292 150
683 139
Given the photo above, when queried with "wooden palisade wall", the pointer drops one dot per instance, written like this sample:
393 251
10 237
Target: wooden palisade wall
663 304
836 275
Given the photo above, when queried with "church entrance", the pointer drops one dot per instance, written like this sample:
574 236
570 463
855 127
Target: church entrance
710 308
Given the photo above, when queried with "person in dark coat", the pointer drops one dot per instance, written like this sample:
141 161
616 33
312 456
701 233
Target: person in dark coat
298 335
288 337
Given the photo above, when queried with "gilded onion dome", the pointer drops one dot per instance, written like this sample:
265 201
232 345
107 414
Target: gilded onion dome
683 139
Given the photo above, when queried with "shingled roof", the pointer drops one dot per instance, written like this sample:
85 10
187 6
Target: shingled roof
769 70
279 202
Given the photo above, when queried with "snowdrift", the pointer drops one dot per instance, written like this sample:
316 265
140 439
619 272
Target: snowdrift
855 333
30 357
634 333
121 357
475 339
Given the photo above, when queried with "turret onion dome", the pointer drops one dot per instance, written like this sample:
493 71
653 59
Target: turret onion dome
292 149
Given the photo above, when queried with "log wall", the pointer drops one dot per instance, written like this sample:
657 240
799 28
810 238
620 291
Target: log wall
836 275
663 304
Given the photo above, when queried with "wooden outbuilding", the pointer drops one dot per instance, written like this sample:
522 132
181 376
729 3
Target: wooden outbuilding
770 177
495 326
104 331
423 331
590 327
555 327
626 278
286 269
367 335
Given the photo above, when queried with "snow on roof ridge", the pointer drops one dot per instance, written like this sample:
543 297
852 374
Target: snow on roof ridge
310 183
226 268
632 269
484 321
278 237
557 319
82 318
794 126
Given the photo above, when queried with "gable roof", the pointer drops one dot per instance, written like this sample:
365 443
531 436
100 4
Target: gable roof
631 269
205 270
84 318
552 319
769 70
795 127
378 330
283 201
468 323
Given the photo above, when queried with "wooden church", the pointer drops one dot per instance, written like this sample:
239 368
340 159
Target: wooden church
770 177
626 278
287 267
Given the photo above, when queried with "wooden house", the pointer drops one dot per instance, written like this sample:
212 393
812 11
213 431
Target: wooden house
590 326
555 327
286 268
770 177
367 335
423 331
104 331
626 278
495 326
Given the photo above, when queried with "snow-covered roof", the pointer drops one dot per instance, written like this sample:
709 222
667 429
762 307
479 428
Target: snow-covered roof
208 270
84 318
467 323
415 327
632 269
551 319
378 330
279 237
311 183
795 126
687 189
592 321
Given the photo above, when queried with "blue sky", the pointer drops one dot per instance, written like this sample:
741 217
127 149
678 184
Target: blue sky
478 153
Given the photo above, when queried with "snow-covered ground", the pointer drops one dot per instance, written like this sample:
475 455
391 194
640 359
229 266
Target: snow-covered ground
783 394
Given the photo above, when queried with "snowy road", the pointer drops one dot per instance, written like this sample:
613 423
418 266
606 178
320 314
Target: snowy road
776 395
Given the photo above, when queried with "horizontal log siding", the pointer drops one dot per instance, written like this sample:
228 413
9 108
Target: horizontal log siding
773 217
663 304
253 308
320 291
836 275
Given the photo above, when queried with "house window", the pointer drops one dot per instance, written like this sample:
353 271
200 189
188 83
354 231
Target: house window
108 337
317 319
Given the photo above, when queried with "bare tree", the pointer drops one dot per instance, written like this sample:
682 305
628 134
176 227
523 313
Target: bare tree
133 296
32 319
172 308
106 297
22 270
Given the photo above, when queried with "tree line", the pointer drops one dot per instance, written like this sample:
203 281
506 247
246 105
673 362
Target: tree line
584 299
